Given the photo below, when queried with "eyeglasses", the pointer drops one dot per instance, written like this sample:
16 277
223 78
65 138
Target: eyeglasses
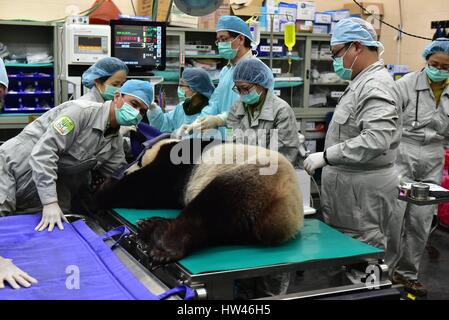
223 40
336 55
242 90
436 65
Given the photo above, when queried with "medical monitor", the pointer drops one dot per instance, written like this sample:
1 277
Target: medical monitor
140 44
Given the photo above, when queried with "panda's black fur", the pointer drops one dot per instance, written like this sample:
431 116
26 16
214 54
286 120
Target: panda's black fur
235 205
158 185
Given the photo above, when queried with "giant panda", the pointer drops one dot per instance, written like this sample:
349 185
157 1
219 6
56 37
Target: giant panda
224 196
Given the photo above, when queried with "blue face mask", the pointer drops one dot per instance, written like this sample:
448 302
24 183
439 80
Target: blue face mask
435 74
340 70
127 115
251 98
226 51
181 94
109 92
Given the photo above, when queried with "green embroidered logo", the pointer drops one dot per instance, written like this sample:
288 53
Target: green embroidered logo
64 125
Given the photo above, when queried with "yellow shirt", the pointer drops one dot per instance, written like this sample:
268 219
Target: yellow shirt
438 90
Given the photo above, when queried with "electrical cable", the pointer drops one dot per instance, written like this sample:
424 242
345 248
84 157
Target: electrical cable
391 26
134 9
317 188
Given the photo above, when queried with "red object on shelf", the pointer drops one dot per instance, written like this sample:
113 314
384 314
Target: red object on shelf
105 12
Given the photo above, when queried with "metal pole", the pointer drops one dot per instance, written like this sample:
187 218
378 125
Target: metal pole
271 40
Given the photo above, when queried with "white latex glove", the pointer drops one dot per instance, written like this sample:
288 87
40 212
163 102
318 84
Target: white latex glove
13 275
208 122
51 215
313 162
183 130
125 130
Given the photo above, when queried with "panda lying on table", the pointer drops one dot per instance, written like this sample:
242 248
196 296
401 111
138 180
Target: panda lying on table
222 204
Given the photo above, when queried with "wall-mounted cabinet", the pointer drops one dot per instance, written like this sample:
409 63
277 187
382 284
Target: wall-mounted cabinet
29 49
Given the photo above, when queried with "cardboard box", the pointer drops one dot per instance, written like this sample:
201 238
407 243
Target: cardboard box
323 18
287 11
321 28
306 10
304 26
180 19
338 15
373 7
246 8
210 21
146 7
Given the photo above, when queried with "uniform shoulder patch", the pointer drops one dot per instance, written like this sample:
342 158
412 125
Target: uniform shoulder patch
64 125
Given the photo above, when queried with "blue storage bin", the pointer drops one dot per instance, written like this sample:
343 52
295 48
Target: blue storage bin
31 89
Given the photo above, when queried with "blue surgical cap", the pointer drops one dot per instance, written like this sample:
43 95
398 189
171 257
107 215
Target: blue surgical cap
3 75
234 24
139 89
198 80
254 71
440 45
355 29
105 67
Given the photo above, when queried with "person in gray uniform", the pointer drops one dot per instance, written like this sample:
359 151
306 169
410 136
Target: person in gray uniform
9 272
259 110
425 96
71 138
359 180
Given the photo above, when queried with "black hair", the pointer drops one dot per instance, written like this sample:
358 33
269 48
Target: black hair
247 43
370 48
102 80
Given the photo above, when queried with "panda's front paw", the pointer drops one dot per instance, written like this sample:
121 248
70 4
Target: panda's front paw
165 253
152 229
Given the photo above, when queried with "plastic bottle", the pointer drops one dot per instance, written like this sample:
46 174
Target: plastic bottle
254 28
290 35
290 40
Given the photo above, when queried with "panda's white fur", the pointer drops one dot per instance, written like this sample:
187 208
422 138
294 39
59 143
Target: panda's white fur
239 159
224 158
150 155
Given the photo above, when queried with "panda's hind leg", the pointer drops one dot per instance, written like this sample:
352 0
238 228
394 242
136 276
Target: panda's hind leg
150 232
224 212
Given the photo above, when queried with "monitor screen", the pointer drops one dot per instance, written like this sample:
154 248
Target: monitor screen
140 44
